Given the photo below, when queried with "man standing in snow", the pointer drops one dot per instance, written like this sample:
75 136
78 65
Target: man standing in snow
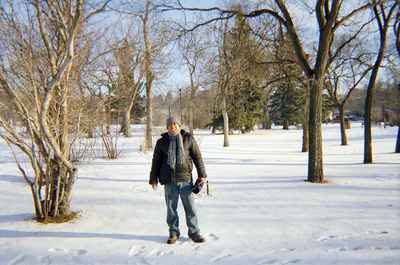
172 166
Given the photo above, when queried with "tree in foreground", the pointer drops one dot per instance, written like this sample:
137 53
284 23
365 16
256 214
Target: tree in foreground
396 29
37 75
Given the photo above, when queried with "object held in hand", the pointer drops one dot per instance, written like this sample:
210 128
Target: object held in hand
197 187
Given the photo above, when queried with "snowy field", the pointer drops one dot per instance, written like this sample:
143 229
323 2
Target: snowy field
260 210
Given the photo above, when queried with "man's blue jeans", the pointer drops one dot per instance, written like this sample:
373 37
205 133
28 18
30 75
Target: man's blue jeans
172 193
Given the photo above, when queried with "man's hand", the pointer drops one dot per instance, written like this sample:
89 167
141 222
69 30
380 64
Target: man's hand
200 180
154 184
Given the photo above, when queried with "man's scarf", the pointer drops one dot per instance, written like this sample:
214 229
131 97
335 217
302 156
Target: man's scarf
176 152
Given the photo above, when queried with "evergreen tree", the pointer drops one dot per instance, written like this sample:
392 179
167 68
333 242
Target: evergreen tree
246 107
286 105
245 99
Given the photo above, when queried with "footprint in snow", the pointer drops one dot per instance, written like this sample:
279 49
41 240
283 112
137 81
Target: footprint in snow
74 252
79 252
136 251
376 248
325 238
294 261
267 262
158 253
287 249
196 248
220 257
46 260
213 237
357 248
376 232
57 250
144 262
17 260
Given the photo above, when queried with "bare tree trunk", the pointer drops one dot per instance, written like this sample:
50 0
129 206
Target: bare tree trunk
396 27
368 109
126 117
126 122
397 150
226 122
148 143
66 193
191 117
315 161
343 134
305 144
383 21
191 104
36 200
367 128
148 134
285 125
267 123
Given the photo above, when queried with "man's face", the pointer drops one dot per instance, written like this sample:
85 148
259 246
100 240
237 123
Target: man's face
173 128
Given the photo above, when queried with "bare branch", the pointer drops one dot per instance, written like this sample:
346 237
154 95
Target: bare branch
320 13
350 15
98 10
21 169
348 41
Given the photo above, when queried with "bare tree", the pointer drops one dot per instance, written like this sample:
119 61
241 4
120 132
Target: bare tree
35 75
148 143
384 11
154 40
396 29
344 75
39 75
192 52
224 77
130 79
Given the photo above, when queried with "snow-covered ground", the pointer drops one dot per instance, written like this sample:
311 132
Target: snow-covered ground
260 210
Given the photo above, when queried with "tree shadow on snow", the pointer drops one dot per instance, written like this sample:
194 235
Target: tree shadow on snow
41 234
15 218
113 163
113 179
267 180
11 178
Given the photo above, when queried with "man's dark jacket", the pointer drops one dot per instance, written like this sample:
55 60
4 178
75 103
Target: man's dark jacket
162 172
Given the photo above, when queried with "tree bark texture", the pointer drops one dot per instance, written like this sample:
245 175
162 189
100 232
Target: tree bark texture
148 143
305 142
315 156
226 122
343 133
397 150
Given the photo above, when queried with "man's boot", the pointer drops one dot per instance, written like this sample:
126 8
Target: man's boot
197 238
172 239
